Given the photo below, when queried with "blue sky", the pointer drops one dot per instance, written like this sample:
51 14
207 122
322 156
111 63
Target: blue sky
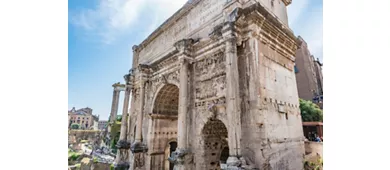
102 32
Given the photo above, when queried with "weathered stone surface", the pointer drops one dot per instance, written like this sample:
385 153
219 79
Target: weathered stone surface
217 81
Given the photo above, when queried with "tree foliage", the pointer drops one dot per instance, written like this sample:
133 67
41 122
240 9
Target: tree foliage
119 118
310 111
75 126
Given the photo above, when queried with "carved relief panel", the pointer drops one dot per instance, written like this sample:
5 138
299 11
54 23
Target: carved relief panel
210 67
211 88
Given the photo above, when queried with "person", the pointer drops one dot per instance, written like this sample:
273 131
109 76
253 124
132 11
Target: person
317 139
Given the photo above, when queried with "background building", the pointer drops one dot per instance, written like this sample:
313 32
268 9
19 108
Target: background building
102 124
308 73
83 117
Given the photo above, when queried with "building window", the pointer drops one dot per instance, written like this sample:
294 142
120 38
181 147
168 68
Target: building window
86 125
78 118
82 121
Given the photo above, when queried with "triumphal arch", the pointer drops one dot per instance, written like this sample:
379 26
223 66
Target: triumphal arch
214 88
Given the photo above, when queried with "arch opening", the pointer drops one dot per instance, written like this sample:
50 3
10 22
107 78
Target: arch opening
216 150
167 100
163 129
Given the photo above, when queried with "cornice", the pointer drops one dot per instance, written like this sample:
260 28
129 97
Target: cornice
271 31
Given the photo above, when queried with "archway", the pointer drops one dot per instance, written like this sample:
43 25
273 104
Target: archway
167 100
164 126
216 150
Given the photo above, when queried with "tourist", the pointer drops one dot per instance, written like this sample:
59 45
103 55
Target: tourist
318 139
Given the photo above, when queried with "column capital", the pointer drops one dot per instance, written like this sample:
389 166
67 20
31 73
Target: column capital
184 45
185 59
129 78
119 87
143 68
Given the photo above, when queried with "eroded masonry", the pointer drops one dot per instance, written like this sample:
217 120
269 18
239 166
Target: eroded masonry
214 88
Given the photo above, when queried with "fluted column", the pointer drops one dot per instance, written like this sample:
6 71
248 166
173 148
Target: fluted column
233 109
122 159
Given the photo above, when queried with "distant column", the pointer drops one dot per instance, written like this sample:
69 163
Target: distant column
122 159
115 103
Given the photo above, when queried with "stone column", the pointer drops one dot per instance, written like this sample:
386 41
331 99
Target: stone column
138 146
183 105
123 145
115 102
233 109
178 157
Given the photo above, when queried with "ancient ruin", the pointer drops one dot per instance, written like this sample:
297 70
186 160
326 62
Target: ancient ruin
214 88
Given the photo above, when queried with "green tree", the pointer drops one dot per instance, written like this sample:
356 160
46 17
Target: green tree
75 126
310 112
119 118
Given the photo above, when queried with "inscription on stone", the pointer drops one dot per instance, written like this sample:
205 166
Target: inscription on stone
204 12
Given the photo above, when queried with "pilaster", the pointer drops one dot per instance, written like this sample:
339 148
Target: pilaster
233 109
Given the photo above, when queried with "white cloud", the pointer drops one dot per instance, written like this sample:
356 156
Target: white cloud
112 18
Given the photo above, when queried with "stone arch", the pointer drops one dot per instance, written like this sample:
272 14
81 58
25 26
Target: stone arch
166 100
214 139
164 108
156 87
205 115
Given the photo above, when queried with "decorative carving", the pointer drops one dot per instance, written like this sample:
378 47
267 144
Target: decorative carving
166 63
184 45
123 144
139 160
210 67
173 76
216 33
211 88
